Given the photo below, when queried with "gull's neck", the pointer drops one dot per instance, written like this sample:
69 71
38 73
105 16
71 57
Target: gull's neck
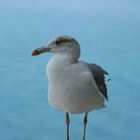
61 60
57 64
64 59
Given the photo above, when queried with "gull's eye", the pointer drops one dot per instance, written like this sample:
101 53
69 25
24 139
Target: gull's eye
58 42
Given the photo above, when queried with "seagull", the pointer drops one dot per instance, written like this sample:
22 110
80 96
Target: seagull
74 86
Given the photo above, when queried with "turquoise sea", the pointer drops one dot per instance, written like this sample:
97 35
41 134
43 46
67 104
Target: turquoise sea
109 34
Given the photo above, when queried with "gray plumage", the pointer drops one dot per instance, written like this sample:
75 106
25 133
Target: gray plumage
99 76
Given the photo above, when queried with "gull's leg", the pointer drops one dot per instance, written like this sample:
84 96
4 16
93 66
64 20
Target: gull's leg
85 124
67 123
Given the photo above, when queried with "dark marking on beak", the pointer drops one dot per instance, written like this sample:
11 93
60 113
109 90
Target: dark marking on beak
40 51
35 52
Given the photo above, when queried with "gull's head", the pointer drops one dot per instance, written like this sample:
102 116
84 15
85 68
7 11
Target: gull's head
60 45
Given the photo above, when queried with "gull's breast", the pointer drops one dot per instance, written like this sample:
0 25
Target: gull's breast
72 88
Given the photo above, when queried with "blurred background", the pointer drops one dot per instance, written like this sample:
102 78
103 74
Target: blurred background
109 34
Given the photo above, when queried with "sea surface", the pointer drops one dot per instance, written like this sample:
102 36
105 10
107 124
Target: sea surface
109 34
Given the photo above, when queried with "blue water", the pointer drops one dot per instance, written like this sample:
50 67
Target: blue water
109 34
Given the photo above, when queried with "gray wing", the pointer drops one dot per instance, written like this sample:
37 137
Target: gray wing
99 76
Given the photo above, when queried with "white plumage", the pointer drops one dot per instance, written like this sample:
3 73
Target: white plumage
72 88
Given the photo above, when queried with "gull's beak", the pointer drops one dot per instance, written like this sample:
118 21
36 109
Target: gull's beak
41 50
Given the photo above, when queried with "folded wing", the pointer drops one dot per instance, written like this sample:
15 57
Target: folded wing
99 76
